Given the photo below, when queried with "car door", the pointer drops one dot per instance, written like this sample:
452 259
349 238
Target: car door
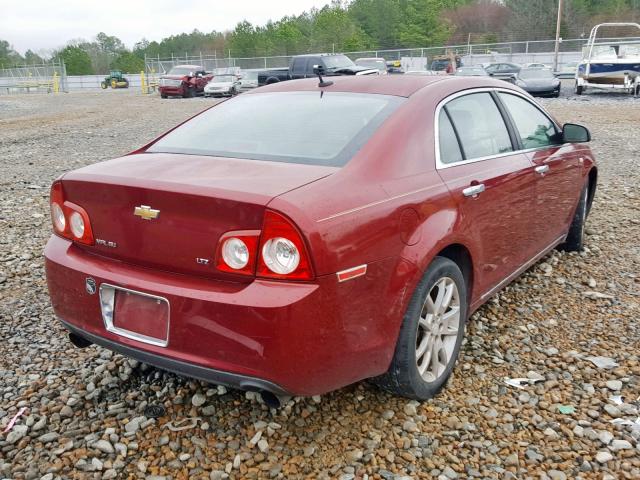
298 67
311 62
490 182
556 167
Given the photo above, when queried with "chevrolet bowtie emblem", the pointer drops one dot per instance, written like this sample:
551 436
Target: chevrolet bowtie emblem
146 212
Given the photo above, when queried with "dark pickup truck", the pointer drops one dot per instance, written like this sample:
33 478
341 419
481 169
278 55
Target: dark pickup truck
301 66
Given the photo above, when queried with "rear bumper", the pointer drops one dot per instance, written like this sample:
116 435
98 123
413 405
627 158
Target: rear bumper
294 338
542 91
182 368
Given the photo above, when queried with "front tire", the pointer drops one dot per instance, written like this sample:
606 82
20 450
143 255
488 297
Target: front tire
575 238
431 334
579 89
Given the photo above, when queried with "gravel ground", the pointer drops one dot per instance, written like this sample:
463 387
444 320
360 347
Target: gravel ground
85 409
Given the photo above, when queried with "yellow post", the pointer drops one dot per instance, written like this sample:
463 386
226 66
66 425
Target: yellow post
143 82
56 82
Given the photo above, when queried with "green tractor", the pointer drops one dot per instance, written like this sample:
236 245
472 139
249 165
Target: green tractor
115 80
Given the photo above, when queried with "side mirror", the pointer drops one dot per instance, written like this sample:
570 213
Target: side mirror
318 69
572 133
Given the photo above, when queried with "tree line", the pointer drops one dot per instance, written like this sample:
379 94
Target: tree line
354 25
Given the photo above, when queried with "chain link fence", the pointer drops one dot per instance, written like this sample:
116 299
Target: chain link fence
518 52
41 78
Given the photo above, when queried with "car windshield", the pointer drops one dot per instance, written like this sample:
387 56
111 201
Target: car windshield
325 128
333 62
535 73
224 78
181 71
372 63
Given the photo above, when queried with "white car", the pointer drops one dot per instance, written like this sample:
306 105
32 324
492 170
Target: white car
248 80
374 63
226 84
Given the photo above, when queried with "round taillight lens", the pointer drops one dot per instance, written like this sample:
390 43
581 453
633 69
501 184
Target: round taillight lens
76 223
280 255
235 253
58 217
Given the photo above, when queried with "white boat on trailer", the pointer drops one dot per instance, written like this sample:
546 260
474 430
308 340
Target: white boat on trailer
610 64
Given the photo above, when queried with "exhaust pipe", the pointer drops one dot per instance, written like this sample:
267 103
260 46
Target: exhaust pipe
79 341
272 400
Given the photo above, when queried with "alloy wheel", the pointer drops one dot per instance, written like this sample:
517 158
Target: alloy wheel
438 329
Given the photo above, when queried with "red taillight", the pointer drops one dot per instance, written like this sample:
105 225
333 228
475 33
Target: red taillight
282 253
278 251
238 251
69 220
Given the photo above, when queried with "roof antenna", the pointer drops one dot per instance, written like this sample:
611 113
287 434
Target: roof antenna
319 71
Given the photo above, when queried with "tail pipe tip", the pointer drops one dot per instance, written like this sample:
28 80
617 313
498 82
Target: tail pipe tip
79 341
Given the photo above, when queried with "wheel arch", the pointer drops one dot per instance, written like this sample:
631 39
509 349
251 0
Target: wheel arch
593 182
461 256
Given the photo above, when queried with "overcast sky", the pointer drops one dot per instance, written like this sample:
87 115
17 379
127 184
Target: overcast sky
40 24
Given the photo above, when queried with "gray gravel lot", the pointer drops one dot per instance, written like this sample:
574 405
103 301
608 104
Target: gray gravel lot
84 414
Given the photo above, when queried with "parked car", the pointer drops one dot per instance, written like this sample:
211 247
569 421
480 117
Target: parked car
184 81
471 71
248 80
275 252
538 81
301 66
222 85
376 63
394 67
442 63
502 69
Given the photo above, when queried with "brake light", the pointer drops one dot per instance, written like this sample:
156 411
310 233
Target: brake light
282 251
69 220
238 251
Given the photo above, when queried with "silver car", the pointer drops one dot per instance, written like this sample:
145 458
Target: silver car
225 84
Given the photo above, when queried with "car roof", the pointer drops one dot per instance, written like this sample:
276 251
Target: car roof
398 85
320 55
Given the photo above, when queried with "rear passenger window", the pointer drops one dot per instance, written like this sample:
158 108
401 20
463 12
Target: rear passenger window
298 65
479 125
534 127
449 147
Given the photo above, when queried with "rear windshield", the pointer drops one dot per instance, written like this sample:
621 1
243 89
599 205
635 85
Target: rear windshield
317 128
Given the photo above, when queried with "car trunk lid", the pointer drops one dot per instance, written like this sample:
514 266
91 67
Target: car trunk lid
198 198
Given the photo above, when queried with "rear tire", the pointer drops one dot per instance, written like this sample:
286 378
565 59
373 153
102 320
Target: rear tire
579 89
575 238
431 334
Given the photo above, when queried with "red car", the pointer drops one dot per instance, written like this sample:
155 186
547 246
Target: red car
296 253
184 81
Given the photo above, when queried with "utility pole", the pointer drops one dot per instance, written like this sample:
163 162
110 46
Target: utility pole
557 49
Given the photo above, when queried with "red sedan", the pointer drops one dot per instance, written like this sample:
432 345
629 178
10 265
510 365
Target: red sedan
300 237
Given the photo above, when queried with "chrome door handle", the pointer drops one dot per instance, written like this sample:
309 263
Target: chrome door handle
474 190
542 169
